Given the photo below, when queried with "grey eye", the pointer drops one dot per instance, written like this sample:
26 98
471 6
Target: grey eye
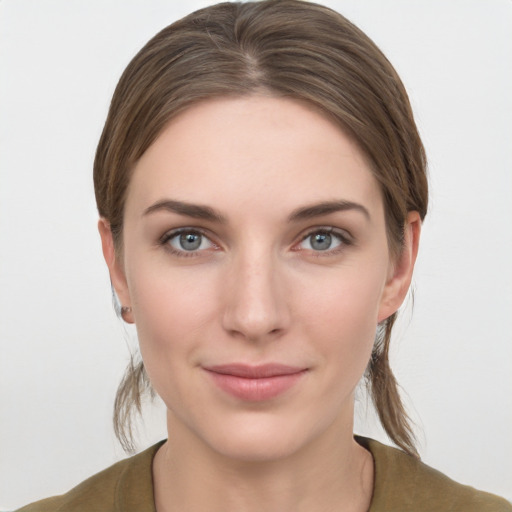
321 241
189 241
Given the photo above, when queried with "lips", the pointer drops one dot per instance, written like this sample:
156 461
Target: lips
255 383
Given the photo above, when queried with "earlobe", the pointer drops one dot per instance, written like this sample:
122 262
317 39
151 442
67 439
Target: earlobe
115 268
400 276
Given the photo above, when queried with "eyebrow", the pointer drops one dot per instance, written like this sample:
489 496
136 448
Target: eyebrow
202 212
196 211
326 208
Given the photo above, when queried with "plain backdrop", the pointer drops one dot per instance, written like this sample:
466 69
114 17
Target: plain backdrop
63 351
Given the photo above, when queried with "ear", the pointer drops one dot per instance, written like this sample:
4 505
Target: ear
400 273
115 268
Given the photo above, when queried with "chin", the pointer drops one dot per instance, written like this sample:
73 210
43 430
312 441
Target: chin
260 437
258 447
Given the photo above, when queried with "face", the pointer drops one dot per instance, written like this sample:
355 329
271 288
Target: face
257 267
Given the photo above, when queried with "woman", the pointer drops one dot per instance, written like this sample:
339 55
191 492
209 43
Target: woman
261 186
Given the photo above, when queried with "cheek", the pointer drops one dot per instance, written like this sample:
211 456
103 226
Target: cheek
340 314
173 312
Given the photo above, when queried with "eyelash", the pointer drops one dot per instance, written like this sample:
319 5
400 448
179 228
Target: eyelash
344 239
164 240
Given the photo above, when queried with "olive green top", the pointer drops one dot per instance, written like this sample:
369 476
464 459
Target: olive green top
402 484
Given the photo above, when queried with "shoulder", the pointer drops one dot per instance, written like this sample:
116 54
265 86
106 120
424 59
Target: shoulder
405 483
125 486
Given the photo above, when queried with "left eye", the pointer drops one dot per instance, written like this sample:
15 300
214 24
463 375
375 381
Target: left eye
321 241
189 241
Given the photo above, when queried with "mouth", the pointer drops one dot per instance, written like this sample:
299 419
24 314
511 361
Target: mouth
255 383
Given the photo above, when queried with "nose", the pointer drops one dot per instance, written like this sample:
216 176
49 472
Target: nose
256 307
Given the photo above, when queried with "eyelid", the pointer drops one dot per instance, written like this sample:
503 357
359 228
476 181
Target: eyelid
345 237
172 233
342 233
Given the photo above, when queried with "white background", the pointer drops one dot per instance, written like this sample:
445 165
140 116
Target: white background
62 349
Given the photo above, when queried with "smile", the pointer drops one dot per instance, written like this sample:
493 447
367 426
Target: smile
255 383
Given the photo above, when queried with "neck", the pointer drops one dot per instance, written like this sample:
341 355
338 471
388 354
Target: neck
330 473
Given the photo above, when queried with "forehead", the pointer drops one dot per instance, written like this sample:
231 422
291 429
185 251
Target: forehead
259 151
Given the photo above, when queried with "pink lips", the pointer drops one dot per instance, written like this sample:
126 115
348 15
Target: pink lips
255 383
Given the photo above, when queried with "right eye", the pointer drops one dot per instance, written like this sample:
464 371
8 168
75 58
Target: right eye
187 242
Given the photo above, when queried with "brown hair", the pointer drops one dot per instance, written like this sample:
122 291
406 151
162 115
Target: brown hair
283 48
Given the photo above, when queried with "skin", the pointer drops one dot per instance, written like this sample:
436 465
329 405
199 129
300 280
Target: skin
258 290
